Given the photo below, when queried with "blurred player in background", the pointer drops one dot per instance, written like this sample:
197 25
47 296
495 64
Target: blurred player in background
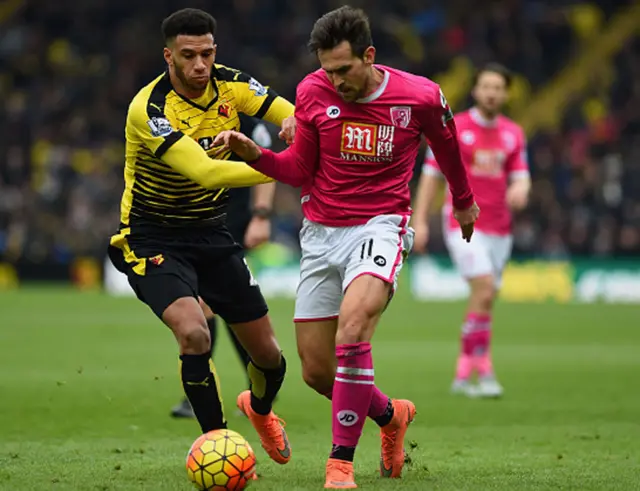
359 128
494 151
249 222
173 242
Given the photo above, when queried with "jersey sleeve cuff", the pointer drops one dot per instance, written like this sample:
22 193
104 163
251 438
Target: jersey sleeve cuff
463 202
266 155
519 174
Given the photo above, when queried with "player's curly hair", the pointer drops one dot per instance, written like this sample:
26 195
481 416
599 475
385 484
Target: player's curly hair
192 22
343 24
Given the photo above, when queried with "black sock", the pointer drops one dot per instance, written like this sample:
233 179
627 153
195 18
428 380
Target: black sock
201 388
343 453
265 384
245 359
385 418
213 332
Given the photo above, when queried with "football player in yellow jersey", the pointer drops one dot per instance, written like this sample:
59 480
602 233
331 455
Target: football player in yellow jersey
173 242
249 222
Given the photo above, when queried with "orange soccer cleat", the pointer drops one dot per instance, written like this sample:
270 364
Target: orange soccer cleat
339 475
392 438
270 429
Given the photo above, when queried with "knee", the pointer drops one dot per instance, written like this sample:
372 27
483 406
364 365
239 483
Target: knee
363 304
483 291
184 317
206 310
318 376
194 338
355 326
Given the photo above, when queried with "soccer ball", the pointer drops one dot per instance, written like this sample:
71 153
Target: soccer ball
221 460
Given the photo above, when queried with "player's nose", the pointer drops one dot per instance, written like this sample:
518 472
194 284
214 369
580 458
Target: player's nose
200 65
337 81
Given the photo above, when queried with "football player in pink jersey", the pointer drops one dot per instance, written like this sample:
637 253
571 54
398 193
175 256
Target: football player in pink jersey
359 128
494 151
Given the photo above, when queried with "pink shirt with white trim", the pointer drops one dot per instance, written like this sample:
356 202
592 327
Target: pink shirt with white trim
354 160
494 152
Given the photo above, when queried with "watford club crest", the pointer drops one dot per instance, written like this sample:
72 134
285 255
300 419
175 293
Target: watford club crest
156 260
224 109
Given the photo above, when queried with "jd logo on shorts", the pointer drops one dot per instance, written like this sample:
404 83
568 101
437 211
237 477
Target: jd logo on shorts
380 261
347 417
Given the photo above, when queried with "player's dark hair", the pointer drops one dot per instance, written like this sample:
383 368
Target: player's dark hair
501 70
191 22
343 24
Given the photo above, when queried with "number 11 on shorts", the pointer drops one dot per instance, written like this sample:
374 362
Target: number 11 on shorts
367 249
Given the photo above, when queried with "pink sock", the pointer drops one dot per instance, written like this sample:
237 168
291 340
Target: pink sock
476 334
378 409
484 365
379 404
464 367
476 339
352 392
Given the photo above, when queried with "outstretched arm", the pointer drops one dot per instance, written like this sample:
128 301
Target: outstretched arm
294 166
150 126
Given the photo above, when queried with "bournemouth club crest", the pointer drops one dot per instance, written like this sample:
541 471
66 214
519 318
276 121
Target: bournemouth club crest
400 116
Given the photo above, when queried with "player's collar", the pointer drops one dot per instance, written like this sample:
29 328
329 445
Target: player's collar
379 91
480 120
214 86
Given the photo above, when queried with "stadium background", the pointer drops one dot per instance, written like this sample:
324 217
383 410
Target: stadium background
69 69
67 73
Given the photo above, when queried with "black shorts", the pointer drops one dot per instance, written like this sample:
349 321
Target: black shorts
237 225
239 213
164 265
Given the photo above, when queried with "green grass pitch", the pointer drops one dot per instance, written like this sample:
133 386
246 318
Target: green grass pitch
87 381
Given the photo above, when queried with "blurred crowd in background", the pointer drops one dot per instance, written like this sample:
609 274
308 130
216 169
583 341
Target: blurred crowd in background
68 70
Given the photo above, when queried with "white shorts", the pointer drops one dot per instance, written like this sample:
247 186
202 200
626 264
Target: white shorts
486 254
332 257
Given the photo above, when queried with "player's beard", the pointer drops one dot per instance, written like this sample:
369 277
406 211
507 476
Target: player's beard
189 84
366 87
350 93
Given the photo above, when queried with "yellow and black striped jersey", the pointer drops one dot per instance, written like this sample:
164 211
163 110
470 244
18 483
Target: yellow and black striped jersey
166 183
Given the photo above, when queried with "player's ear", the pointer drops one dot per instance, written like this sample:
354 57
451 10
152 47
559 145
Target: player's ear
167 56
369 55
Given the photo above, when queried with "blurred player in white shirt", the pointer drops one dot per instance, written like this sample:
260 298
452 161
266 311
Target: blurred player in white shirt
493 148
